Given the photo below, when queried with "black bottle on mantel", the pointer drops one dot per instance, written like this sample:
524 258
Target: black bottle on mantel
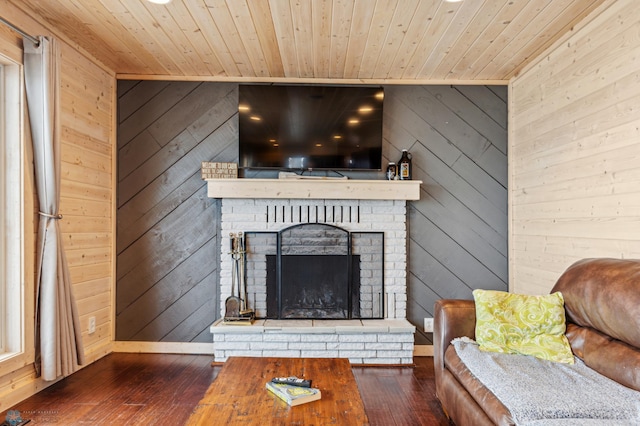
404 166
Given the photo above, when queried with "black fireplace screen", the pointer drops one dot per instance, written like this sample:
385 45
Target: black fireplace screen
317 271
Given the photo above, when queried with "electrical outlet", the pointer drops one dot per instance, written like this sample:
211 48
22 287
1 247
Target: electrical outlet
92 325
428 325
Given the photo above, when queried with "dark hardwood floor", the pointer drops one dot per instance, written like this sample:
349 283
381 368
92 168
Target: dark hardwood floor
400 395
156 389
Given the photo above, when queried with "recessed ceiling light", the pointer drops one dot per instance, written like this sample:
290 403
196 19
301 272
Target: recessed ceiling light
453 1
159 1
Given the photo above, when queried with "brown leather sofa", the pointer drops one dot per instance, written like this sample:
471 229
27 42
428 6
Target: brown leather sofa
602 305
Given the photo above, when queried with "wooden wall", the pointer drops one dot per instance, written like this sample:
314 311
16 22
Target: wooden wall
166 226
167 243
87 192
87 102
458 230
574 151
87 95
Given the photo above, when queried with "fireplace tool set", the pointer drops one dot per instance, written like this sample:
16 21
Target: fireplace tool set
237 310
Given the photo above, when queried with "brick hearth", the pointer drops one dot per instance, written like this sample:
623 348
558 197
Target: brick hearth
363 342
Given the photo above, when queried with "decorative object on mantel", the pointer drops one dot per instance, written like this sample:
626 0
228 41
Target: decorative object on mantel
391 172
237 310
219 170
404 166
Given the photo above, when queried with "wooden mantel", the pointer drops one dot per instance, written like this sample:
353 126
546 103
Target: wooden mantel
330 189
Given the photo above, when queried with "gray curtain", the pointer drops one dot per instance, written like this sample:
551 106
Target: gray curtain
59 349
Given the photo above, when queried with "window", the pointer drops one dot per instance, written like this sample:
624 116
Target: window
12 207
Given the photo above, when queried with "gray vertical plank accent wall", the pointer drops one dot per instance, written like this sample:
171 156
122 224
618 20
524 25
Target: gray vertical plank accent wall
168 230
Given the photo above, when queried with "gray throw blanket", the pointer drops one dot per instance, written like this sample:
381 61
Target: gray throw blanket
545 393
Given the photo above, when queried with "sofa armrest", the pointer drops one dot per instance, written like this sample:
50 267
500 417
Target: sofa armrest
452 318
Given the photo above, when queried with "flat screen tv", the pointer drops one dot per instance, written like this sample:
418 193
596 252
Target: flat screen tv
310 127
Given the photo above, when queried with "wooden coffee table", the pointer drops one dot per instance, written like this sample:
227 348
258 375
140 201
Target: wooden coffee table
238 395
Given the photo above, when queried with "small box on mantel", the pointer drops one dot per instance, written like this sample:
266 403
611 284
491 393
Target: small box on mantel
219 170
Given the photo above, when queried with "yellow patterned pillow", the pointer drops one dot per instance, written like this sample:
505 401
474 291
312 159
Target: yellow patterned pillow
522 324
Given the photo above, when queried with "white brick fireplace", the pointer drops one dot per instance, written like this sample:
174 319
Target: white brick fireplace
257 205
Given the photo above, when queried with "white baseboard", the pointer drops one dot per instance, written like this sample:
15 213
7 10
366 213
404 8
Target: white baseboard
164 347
423 350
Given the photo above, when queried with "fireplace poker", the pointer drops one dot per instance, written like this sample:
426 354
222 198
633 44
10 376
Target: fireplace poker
240 273
245 311
232 303
236 306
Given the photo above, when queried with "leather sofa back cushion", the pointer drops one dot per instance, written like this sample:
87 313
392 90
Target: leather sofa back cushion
609 357
604 294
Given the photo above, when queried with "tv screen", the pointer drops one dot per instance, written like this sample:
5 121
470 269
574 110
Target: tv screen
298 127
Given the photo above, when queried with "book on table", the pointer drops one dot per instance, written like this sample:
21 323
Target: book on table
294 395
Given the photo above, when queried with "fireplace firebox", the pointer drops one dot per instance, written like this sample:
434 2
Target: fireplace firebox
318 271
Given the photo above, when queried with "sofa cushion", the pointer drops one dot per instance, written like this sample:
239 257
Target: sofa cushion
609 357
604 294
535 390
522 324
487 401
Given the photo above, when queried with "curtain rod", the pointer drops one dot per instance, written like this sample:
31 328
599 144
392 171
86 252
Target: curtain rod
29 37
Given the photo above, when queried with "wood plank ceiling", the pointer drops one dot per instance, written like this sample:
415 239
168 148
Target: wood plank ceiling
391 40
